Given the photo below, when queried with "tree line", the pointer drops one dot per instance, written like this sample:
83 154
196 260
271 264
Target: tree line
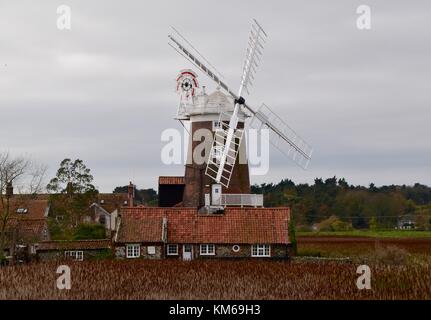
351 206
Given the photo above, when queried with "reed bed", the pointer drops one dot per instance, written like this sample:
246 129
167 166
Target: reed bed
214 279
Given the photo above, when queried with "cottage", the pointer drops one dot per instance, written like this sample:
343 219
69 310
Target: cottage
184 233
141 232
26 226
107 206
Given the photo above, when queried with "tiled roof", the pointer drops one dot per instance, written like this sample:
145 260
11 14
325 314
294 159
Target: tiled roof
25 208
32 230
235 226
143 225
171 180
74 245
112 201
26 231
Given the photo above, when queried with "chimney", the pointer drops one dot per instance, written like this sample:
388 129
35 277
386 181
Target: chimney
130 193
9 190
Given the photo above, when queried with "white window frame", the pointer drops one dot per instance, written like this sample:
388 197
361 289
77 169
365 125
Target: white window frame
261 250
76 255
172 253
204 249
217 125
151 250
133 251
217 153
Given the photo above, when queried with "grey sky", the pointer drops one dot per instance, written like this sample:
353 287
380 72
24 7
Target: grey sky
104 90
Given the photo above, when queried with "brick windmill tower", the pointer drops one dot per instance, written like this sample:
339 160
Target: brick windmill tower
217 173
208 114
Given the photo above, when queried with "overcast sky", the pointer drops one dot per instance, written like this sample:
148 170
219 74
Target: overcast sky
105 90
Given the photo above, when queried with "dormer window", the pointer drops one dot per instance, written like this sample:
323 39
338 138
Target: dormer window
125 203
22 210
102 201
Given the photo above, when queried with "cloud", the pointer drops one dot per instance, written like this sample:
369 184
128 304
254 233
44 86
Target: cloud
104 91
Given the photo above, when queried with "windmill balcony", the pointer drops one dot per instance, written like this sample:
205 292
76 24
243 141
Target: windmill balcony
241 200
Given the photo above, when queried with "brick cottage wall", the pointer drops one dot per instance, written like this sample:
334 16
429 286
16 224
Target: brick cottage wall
59 255
120 251
226 251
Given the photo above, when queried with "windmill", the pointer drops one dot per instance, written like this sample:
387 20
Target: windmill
226 143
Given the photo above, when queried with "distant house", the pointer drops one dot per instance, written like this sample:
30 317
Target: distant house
142 232
26 226
406 223
79 250
105 210
184 233
107 206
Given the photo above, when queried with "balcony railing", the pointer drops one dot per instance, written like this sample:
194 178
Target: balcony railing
241 200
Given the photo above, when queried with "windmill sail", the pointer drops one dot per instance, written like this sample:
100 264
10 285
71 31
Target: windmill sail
282 137
221 169
223 155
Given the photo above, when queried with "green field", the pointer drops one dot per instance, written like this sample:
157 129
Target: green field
369 233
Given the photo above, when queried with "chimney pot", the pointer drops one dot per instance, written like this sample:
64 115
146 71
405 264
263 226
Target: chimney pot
9 190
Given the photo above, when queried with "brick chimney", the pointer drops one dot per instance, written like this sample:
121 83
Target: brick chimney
9 190
130 194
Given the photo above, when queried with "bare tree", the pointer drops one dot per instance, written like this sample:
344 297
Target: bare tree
23 175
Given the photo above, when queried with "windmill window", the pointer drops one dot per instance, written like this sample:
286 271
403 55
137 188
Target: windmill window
218 151
217 125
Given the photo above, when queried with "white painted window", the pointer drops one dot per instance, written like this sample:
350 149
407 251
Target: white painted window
151 250
217 153
207 249
74 255
217 125
133 251
172 250
260 250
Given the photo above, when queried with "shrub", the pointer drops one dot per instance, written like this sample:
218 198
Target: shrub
303 228
89 231
334 224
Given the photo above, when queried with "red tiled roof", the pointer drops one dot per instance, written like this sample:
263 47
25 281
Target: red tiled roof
32 230
74 245
171 180
35 209
235 226
112 201
141 225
